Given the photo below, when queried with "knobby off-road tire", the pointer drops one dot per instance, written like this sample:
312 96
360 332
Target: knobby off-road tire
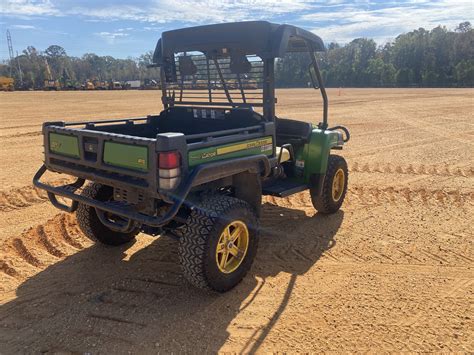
334 188
91 225
207 227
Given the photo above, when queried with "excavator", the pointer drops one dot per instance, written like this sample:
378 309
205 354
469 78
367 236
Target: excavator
50 83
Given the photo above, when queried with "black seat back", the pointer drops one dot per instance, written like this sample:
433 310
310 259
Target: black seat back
194 121
292 131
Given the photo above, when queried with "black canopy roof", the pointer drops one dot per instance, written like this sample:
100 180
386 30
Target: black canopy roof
265 39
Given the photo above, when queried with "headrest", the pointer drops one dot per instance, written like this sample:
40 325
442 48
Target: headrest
187 66
239 64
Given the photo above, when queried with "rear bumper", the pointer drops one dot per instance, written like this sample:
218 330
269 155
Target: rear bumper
120 209
176 198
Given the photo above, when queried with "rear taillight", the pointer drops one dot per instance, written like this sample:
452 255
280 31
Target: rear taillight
169 170
169 160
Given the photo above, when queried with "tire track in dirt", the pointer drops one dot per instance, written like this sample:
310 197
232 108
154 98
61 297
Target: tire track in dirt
26 134
278 216
24 196
435 129
38 126
300 254
413 252
380 131
356 153
458 286
412 169
367 195
39 247
20 198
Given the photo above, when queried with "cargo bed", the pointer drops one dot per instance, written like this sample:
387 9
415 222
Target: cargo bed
124 151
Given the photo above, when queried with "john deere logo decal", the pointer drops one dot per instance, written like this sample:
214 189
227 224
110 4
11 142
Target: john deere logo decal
258 146
208 155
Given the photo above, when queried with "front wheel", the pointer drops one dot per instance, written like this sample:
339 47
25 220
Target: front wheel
219 243
334 187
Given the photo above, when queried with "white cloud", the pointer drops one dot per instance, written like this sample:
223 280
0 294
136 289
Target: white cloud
334 20
27 8
192 11
23 27
153 28
110 37
384 24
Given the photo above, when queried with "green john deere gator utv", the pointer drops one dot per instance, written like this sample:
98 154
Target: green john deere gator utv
198 170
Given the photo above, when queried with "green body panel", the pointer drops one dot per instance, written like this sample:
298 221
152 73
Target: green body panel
313 157
64 145
262 145
126 155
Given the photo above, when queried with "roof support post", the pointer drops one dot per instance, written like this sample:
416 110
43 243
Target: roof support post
269 89
323 125
164 98
209 89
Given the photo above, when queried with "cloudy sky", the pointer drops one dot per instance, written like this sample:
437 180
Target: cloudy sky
124 28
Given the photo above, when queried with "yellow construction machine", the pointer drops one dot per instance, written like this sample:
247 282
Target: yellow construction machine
7 83
50 83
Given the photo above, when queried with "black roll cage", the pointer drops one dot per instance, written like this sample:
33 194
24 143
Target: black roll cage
266 40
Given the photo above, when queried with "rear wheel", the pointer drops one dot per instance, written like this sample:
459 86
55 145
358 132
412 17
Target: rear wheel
219 243
334 187
89 222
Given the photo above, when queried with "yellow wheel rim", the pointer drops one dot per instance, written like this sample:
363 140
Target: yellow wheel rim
232 246
338 185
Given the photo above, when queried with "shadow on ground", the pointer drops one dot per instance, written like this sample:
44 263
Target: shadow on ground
97 301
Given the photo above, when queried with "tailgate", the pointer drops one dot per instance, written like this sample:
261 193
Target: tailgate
101 156
128 156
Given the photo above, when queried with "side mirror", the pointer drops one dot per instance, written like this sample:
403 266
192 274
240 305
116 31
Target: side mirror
312 75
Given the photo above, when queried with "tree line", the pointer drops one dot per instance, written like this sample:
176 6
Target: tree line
74 70
420 58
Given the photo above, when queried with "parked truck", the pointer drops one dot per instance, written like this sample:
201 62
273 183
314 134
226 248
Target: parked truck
133 84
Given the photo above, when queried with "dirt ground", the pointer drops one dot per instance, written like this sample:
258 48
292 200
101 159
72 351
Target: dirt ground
392 271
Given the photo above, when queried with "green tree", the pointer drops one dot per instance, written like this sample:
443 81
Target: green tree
404 77
465 73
